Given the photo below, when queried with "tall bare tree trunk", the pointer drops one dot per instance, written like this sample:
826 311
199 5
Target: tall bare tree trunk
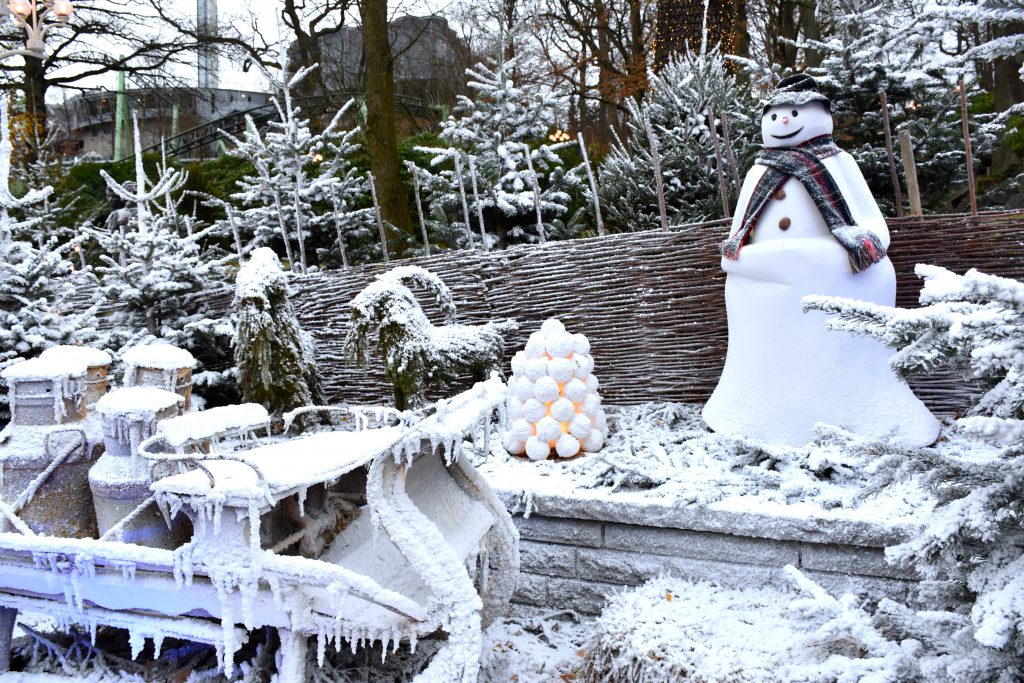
381 136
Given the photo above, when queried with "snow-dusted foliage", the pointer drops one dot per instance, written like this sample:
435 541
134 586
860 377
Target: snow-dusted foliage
553 404
387 317
296 169
494 129
36 280
876 45
677 108
973 543
276 360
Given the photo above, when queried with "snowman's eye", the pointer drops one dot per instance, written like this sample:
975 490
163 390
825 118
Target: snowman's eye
774 116
795 113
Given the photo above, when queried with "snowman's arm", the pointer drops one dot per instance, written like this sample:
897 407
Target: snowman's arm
747 189
857 194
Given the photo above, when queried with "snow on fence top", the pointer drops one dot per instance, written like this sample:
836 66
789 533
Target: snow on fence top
140 403
84 354
42 369
651 302
206 424
158 356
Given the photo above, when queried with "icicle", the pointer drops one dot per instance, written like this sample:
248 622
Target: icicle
137 641
158 644
321 647
302 501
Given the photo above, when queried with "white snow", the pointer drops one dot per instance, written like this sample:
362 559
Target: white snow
137 402
206 424
157 356
85 354
43 369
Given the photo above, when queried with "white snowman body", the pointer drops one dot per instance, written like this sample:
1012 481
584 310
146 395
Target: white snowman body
784 371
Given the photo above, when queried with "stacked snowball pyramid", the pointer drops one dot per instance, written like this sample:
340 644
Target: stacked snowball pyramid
553 405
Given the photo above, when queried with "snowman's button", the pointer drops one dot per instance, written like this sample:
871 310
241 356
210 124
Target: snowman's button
781 194
784 223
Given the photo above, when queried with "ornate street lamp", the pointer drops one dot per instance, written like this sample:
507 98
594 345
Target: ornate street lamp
31 15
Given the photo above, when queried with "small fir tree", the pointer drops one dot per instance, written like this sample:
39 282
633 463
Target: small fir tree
677 107
275 359
295 170
972 547
495 129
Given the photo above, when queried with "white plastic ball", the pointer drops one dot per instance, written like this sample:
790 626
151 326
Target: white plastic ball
552 326
592 383
523 388
580 344
518 363
560 369
534 410
536 368
521 430
580 426
563 410
514 446
548 429
575 390
591 404
534 346
537 449
545 389
592 443
584 365
567 446
513 409
559 345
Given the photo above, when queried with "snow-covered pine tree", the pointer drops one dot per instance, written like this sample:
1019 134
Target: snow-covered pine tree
151 264
275 359
36 280
676 106
387 317
972 547
497 126
294 169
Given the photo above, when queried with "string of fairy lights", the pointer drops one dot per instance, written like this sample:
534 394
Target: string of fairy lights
681 22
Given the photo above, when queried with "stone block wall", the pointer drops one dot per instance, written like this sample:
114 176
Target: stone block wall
574 563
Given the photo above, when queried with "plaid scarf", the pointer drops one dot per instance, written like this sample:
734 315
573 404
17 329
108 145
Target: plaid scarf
803 162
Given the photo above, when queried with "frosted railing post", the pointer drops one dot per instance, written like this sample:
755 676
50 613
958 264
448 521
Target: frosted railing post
593 186
476 202
419 204
462 196
659 183
722 189
380 220
536 194
337 228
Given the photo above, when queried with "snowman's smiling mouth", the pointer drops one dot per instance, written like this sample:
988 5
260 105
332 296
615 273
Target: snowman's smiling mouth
786 137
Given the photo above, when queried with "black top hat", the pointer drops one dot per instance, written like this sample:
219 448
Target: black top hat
797 89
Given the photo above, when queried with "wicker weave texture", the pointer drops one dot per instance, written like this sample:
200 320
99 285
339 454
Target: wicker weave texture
651 303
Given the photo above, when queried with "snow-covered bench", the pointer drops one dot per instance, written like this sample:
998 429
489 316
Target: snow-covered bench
403 568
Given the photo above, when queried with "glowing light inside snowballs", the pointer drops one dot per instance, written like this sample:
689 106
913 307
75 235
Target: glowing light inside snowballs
553 404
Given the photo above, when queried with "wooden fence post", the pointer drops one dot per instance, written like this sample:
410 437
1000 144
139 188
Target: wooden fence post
593 187
462 196
380 221
419 204
722 189
476 203
659 183
910 173
893 175
971 190
536 194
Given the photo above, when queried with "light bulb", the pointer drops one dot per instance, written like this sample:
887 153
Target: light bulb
63 9
22 8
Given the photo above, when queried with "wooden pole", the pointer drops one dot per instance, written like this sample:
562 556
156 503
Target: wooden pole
536 194
729 151
476 203
419 204
723 191
659 184
971 190
380 220
462 196
910 172
893 175
337 228
593 186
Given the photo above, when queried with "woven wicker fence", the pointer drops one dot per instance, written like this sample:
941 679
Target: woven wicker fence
651 302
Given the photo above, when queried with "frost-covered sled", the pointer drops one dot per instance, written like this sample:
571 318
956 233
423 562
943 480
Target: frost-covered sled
432 549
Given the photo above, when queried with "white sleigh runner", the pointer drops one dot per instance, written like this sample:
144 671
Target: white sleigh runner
433 548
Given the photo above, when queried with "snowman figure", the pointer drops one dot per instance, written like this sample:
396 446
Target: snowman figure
806 223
